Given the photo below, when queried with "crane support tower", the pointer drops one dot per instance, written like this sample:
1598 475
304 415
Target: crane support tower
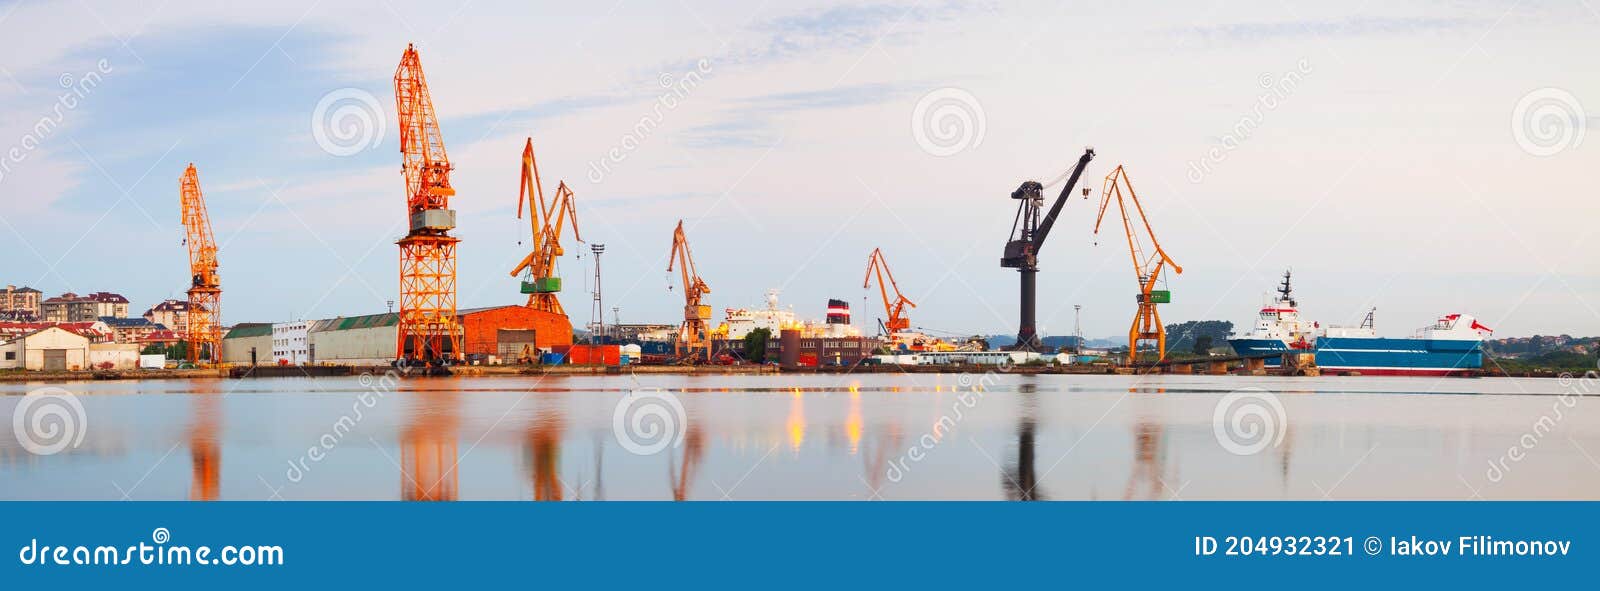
204 336
429 330
693 344
894 310
1028 233
1148 268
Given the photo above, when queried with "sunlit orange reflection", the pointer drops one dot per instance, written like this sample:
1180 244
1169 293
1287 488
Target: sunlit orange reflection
797 420
852 423
544 455
428 453
205 455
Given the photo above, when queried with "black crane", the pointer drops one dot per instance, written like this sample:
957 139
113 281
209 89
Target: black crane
1027 237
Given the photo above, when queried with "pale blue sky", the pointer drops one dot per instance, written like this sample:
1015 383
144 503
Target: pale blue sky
1390 175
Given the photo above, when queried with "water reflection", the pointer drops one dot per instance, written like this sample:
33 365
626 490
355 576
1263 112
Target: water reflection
1149 462
205 452
544 454
694 446
1052 437
1020 481
428 453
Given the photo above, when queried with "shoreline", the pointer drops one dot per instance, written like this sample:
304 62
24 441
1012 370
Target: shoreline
579 370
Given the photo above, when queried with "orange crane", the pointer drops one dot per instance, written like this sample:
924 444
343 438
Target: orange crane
897 320
1147 321
204 335
692 343
429 329
547 221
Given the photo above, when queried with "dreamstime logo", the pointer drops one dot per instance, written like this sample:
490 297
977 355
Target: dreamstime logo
49 420
649 420
948 121
74 91
347 122
674 90
1247 421
1275 90
1547 121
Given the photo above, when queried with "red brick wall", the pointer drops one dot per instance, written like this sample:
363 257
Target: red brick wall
480 329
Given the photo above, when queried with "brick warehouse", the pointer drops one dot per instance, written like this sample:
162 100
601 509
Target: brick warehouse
481 328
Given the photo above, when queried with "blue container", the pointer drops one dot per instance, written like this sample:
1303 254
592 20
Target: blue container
552 358
622 360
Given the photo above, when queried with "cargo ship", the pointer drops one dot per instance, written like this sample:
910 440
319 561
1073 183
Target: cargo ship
1452 345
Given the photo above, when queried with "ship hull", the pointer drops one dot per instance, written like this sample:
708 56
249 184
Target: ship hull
1399 357
1260 348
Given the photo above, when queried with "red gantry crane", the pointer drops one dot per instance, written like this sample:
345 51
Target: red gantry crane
1147 321
896 320
547 221
693 344
429 329
204 335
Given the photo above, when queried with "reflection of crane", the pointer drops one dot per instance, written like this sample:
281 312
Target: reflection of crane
694 446
544 456
896 310
547 220
204 338
205 456
692 335
1028 233
1148 462
428 324
428 448
1147 322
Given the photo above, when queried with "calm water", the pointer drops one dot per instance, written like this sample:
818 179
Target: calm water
815 437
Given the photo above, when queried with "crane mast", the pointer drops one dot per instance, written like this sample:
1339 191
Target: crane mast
1028 233
428 329
204 334
693 344
896 319
1147 268
547 221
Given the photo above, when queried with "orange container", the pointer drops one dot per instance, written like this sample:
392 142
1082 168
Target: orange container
595 355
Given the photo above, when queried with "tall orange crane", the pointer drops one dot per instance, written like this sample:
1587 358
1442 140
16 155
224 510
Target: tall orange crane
204 335
692 343
547 221
429 329
1147 321
897 321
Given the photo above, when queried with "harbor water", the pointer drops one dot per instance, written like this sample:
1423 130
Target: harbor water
845 437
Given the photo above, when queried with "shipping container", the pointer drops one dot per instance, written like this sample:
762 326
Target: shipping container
595 355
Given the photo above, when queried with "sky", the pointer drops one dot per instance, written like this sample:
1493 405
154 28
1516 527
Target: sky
1422 158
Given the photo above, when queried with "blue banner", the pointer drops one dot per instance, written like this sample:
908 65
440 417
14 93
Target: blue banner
799 544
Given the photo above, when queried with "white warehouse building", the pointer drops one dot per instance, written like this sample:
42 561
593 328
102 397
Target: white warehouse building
291 343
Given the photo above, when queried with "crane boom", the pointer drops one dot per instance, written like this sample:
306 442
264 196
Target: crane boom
204 333
1147 268
428 327
692 342
896 320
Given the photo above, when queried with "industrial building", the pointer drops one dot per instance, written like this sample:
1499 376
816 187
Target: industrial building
51 348
371 339
248 343
290 342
